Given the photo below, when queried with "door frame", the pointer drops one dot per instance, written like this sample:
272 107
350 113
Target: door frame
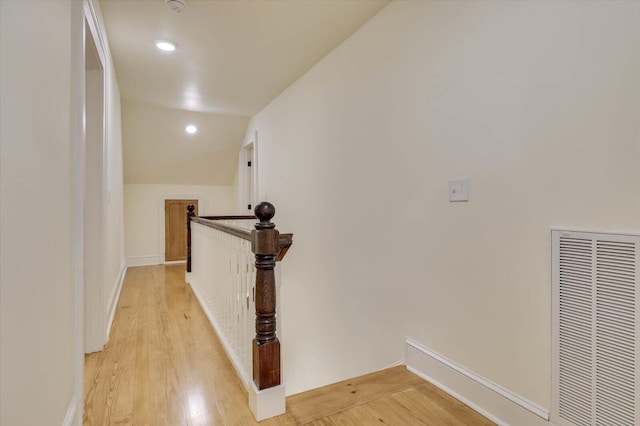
95 310
83 16
161 216
248 152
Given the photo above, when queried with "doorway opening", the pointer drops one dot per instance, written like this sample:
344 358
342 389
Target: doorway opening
94 196
175 229
248 175
248 170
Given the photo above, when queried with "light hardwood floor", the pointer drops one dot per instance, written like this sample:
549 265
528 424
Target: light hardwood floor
164 365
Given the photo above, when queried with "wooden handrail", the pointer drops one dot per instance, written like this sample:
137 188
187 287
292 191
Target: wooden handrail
238 217
236 231
269 247
285 240
230 229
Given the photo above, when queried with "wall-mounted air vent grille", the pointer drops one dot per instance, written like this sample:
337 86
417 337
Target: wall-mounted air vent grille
596 341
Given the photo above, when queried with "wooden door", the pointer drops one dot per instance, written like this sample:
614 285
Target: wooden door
175 228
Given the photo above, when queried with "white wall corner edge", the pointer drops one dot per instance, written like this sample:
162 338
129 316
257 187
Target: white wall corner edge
395 364
496 403
115 296
73 416
144 260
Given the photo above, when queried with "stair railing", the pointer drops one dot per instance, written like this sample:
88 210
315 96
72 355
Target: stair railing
231 270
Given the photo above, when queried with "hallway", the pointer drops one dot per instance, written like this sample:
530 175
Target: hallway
164 365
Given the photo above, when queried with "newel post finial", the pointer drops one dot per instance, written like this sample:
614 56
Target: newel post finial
190 214
265 212
266 347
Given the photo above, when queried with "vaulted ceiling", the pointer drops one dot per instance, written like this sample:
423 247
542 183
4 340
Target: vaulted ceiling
233 58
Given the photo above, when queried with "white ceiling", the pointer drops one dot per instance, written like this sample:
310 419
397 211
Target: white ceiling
157 149
233 58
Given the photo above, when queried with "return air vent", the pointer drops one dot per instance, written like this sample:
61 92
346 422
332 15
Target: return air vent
596 341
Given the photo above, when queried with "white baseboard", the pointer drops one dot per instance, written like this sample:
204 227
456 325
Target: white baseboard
73 414
144 260
264 404
115 295
175 262
498 404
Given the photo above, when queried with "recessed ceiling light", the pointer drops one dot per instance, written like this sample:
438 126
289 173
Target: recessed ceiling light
166 45
191 129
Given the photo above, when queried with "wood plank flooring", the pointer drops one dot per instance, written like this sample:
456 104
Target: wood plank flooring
164 365
394 396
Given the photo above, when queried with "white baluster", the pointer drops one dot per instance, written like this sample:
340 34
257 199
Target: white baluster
223 276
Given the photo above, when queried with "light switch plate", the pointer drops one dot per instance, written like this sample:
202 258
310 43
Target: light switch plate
459 189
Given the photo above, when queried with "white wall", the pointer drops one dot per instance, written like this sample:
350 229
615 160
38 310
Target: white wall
144 207
41 219
538 103
159 151
235 189
36 253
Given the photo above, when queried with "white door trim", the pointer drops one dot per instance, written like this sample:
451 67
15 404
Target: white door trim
77 113
82 14
95 197
248 152
161 233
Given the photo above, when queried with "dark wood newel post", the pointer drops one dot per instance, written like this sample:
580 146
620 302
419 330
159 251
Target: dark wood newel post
190 214
265 245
